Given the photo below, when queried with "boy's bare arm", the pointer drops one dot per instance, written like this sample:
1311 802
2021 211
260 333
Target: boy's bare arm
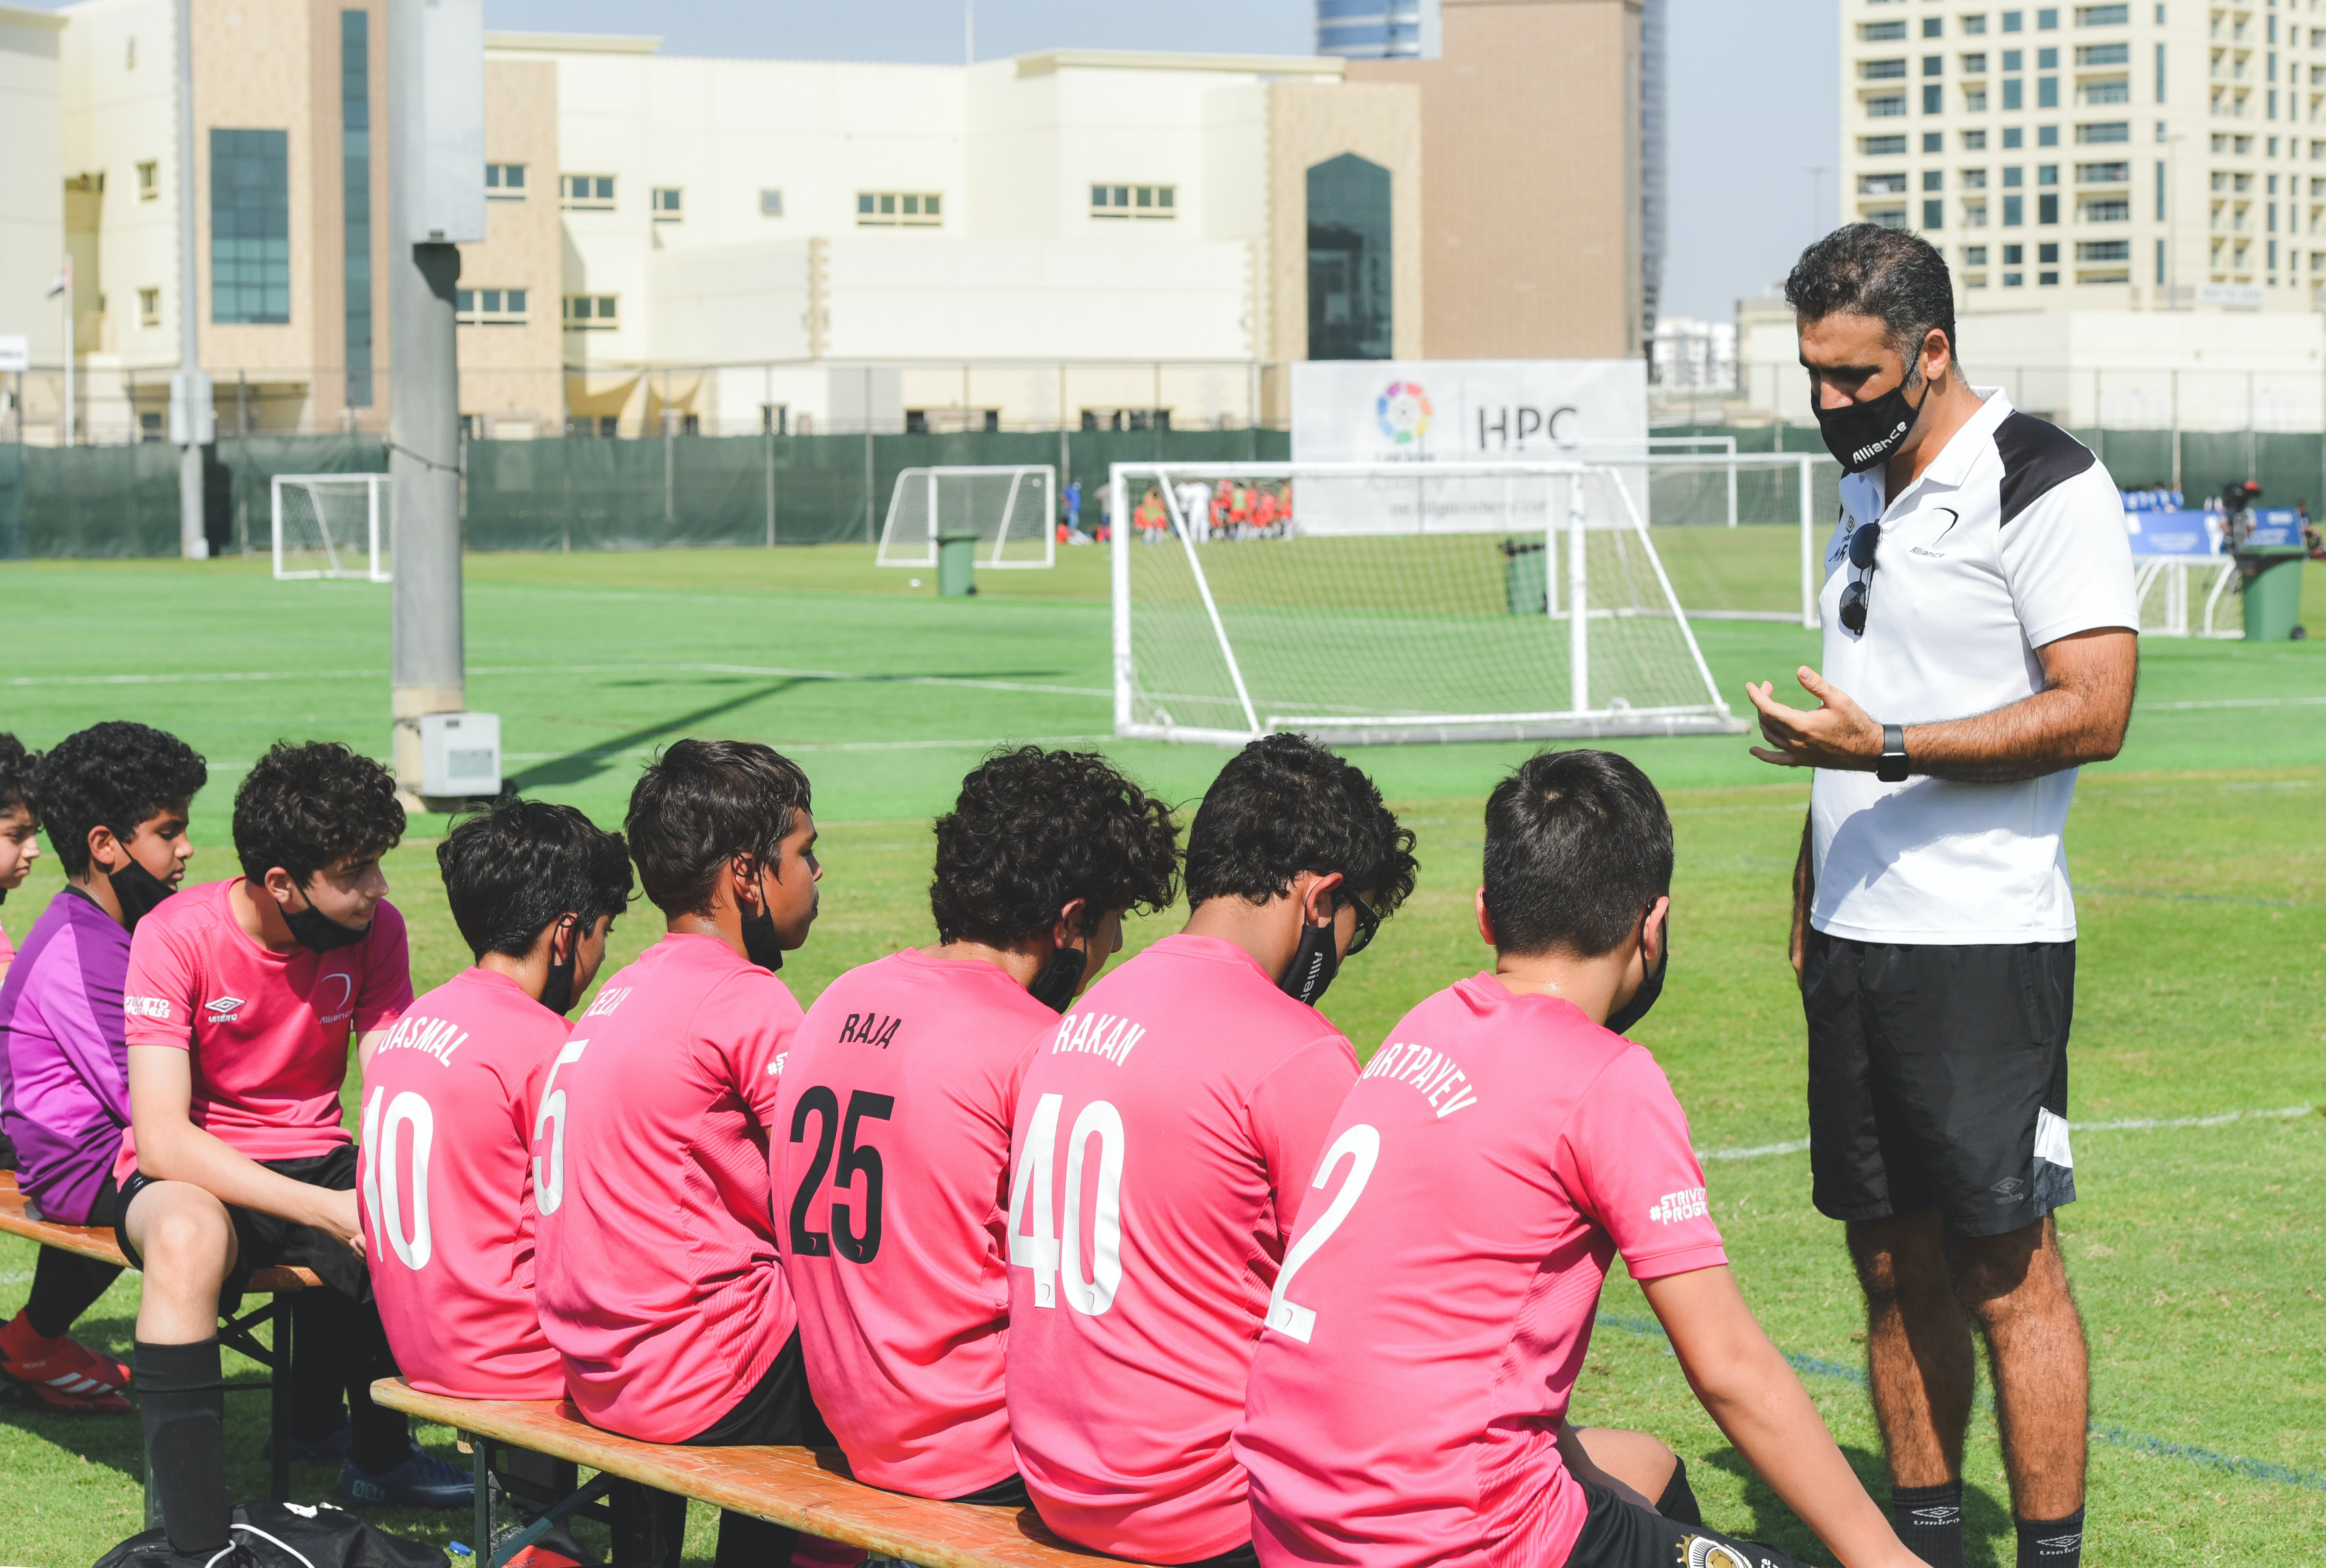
172 1148
1745 1387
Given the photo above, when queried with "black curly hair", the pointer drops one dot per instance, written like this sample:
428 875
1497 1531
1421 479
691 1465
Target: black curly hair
1284 805
1036 829
16 766
700 804
309 806
512 871
1578 844
116 774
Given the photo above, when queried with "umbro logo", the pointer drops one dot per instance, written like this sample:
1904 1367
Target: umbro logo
224 1010
1943 1514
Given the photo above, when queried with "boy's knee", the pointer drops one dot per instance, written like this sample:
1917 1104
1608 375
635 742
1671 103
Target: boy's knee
186 1237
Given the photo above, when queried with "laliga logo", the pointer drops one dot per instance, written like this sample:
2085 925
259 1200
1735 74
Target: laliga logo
1403 411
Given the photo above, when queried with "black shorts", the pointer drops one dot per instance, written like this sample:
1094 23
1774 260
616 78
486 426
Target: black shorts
270 1241
1939 1079
777 1408
1621 1535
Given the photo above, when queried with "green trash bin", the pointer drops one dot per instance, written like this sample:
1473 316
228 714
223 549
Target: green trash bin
1525 582
956 565
2269 583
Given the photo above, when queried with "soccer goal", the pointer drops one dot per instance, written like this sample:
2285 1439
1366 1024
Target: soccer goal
1012 511
333 525
1372 604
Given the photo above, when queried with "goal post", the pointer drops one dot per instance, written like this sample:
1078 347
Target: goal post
1011 509
1387 603
332 526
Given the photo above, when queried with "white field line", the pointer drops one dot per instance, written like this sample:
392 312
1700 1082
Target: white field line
2230 702
766 671
2129 1124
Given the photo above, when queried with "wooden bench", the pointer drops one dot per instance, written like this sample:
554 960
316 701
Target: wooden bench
96 1241
800 1489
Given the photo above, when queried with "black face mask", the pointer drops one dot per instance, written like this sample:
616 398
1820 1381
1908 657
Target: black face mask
761 945
557 991
318 933
138 892
1060 979
1315 962
1863 435
1652 984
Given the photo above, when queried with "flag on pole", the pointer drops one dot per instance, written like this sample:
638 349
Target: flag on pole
62 281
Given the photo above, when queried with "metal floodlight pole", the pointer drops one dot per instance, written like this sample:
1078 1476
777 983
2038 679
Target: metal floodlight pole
435 109
193 419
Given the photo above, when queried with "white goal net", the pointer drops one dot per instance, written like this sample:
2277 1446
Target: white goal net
333 525
1012 512
1386 603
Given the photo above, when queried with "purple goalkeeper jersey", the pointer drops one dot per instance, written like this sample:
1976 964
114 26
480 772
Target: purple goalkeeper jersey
64 1070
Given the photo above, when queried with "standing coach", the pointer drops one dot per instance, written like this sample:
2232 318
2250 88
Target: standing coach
1979 646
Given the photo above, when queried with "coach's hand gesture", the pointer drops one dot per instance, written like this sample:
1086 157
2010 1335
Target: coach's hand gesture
1836 733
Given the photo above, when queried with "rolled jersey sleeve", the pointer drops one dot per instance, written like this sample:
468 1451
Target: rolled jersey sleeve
2068 561
160 994
1626 1150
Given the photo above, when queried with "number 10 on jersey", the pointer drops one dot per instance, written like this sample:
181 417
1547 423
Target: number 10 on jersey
1054 1252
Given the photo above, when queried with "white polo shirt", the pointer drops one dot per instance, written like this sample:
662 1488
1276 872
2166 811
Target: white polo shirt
2012 538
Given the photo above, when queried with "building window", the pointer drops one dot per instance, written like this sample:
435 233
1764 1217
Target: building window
149 180
1350 272
1974 141
354 202
2047 92
1887 107
1934 140
2107 15
586 192
2014 136
1974 25
2047 20
1934 101
1934 65
898 209
2014 94
1881 32
1934 214
1134 201
2014 21
1934 179
1881 184
149 307
1881 69
2047 208
505 182
2015 211
2047 136
669 204
1974 256
1975 99
1886 217
591 313
2107 131
250 228
1973 179
490 307
1882 146
771 204
2115 91
2104 250
1934 27
2103 174
2091 54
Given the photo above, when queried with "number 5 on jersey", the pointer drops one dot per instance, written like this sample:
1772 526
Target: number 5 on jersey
1047 1249
1362 1144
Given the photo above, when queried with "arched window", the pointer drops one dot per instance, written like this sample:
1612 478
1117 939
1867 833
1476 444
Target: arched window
1349 274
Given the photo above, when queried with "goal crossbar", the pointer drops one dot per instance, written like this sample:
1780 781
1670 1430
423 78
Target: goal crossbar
1455 621
1016 532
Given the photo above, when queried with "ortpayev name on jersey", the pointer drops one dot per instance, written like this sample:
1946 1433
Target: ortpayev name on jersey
1432 1073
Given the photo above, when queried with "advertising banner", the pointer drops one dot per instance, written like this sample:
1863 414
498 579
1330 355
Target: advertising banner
1446 413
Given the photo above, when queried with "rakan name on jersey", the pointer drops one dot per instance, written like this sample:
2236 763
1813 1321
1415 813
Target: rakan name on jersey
1100 1034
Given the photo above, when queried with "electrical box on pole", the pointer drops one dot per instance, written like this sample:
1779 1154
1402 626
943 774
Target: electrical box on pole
436 202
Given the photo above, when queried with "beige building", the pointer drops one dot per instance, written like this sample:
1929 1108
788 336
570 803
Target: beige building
2132 156
31 202
1533 165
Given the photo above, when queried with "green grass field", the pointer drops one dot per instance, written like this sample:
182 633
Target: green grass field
2200 859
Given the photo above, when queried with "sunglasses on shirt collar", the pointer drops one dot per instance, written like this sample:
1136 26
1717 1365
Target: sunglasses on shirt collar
1858 599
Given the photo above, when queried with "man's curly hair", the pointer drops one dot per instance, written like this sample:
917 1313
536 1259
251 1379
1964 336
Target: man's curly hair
1284 805
1036 829
116 774
307 807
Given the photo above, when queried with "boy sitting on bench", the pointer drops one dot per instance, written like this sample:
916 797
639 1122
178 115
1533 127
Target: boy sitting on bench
241 998
656 1271
114 798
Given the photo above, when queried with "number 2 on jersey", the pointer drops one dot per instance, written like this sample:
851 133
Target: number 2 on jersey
1051 1252
1361 1144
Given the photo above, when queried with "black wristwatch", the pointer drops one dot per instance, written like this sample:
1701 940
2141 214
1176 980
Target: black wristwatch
1891 768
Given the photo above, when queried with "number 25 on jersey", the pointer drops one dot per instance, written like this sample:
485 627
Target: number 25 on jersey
1054 1252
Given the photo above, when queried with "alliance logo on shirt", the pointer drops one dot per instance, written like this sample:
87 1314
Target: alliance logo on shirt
224 1010
146 1008
1678 1208
345 1003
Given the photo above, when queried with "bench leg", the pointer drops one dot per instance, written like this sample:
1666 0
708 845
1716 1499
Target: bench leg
278 1401
649 1526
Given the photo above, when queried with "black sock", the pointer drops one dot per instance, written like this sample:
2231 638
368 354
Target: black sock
2051 1543
1678 1502
181 1394
745 1541
65 1285
1928 1521
340 1347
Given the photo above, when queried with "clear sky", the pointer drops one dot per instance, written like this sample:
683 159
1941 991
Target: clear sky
1755 90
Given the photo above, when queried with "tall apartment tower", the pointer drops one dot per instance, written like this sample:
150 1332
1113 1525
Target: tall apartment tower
1378 29
2145 154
